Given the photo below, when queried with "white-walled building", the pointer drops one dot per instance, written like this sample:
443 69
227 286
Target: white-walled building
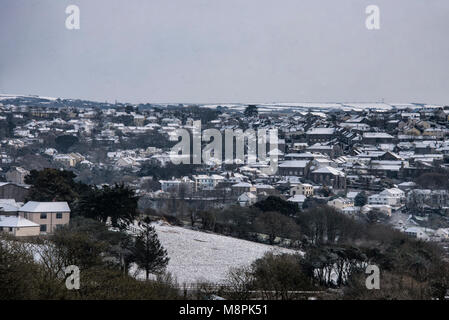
304 189
247 199
392 197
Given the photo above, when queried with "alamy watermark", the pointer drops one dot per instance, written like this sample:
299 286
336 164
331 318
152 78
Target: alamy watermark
72 282
189 150
72 22
372 21
373 280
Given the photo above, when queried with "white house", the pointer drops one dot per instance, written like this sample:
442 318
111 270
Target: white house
443 233
299 199
304 189
392 197
175 185
340 203
203 181
386 209
417 232
48 215
247 199
170 185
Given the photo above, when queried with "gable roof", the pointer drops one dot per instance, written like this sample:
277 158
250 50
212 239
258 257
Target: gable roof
247 196
377 135
242 185
294 164
331 170
297 198
6 207
34 206
327 131
16 222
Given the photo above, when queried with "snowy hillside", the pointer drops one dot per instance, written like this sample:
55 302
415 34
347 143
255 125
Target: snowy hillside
196 255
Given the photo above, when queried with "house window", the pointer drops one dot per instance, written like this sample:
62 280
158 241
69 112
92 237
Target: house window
43 216
43 228
58 215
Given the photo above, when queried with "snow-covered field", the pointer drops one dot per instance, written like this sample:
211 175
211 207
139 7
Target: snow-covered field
199 256
196 256
15 96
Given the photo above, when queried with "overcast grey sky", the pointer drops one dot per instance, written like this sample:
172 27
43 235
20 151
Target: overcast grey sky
227 50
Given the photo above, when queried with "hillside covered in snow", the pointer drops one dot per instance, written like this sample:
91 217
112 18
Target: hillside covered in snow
200 256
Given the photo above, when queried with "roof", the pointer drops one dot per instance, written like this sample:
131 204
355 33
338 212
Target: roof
242 185
7 207
330 170
352 194
377 135
321 131
297 198
263 186
294 164
247 196
11 202
15 222
407 184
392 191
14 184
33 206
414 229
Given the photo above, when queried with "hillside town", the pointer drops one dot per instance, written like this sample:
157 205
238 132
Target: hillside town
387 162
205 158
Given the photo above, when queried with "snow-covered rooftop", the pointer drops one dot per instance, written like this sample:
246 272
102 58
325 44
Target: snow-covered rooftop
16 222
33 206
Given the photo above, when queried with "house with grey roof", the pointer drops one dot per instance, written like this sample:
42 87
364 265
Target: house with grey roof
48 215
329 176
18 226
320 134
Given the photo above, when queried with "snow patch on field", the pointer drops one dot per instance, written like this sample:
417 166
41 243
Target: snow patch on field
200 256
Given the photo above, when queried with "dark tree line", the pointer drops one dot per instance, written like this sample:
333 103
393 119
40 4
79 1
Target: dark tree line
103 257
117 203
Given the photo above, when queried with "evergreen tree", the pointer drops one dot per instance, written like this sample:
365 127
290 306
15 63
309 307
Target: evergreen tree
119 203
63 143
54 185
251 111
274 203
360 199
148 252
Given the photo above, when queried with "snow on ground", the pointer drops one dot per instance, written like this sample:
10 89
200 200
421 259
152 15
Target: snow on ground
200 256
15 96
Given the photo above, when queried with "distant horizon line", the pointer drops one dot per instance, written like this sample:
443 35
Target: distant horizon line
6 95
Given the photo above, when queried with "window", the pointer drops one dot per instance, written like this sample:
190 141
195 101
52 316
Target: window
43 216
43 228
58 215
